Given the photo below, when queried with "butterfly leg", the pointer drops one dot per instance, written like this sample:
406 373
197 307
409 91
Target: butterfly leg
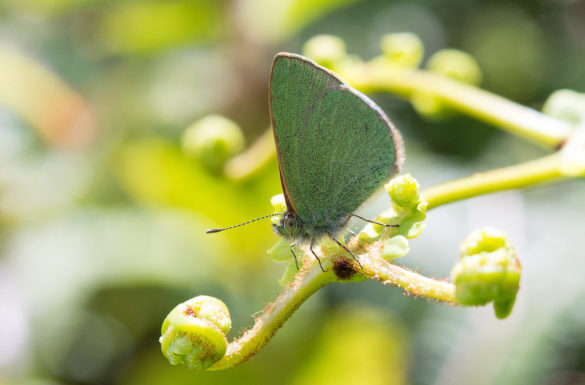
313 251
346 249
292 245
371 221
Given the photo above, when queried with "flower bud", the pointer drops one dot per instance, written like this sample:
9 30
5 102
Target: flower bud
402 49
409 204
408 212
326 50
404 192
488 271
487 239
194 332
455 64
213 140
566 105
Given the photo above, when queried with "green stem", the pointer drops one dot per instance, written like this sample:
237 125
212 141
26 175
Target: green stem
274 315
512 177
253 159
311 279
413 283
512 117
493 109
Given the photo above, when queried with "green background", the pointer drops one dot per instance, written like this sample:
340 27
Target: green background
98 241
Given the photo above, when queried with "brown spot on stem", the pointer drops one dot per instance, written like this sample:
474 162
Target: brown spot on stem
343 268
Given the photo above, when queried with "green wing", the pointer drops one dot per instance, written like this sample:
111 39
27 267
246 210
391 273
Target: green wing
335 146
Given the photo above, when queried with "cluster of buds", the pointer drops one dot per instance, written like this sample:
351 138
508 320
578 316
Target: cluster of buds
488 271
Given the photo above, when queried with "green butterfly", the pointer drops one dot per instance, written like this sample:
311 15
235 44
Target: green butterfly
335 148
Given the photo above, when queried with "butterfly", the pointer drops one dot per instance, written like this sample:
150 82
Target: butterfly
335 148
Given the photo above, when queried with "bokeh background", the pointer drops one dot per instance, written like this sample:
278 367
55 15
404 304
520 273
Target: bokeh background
102 215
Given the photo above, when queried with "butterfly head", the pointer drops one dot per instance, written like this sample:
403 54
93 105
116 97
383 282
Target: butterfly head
288 226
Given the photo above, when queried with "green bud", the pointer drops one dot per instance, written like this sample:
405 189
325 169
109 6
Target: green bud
213 140
488 271
402 49
395 247
573 155
566 105
456 65
404 192
326 50
409 204
194 332
504 307
408 212
487 239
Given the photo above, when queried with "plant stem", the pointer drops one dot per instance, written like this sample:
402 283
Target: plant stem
311 279
521 175
413 283
307 282
253 159
512 117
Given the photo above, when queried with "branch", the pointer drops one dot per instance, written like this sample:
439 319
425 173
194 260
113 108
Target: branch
310 279
496 110
306 283
522 175
412 283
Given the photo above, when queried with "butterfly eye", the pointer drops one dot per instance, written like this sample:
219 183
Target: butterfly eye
290 223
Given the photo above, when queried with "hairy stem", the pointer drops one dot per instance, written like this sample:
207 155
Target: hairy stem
512 177
274 315
413 283
311 279
512 117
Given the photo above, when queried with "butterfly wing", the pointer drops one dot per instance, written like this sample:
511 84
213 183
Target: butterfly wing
335 146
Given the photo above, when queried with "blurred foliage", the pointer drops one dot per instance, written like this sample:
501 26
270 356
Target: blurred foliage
102 214
377 346
127 28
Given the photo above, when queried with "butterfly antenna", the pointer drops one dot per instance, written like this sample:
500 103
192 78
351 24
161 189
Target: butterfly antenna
371 221
241 224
